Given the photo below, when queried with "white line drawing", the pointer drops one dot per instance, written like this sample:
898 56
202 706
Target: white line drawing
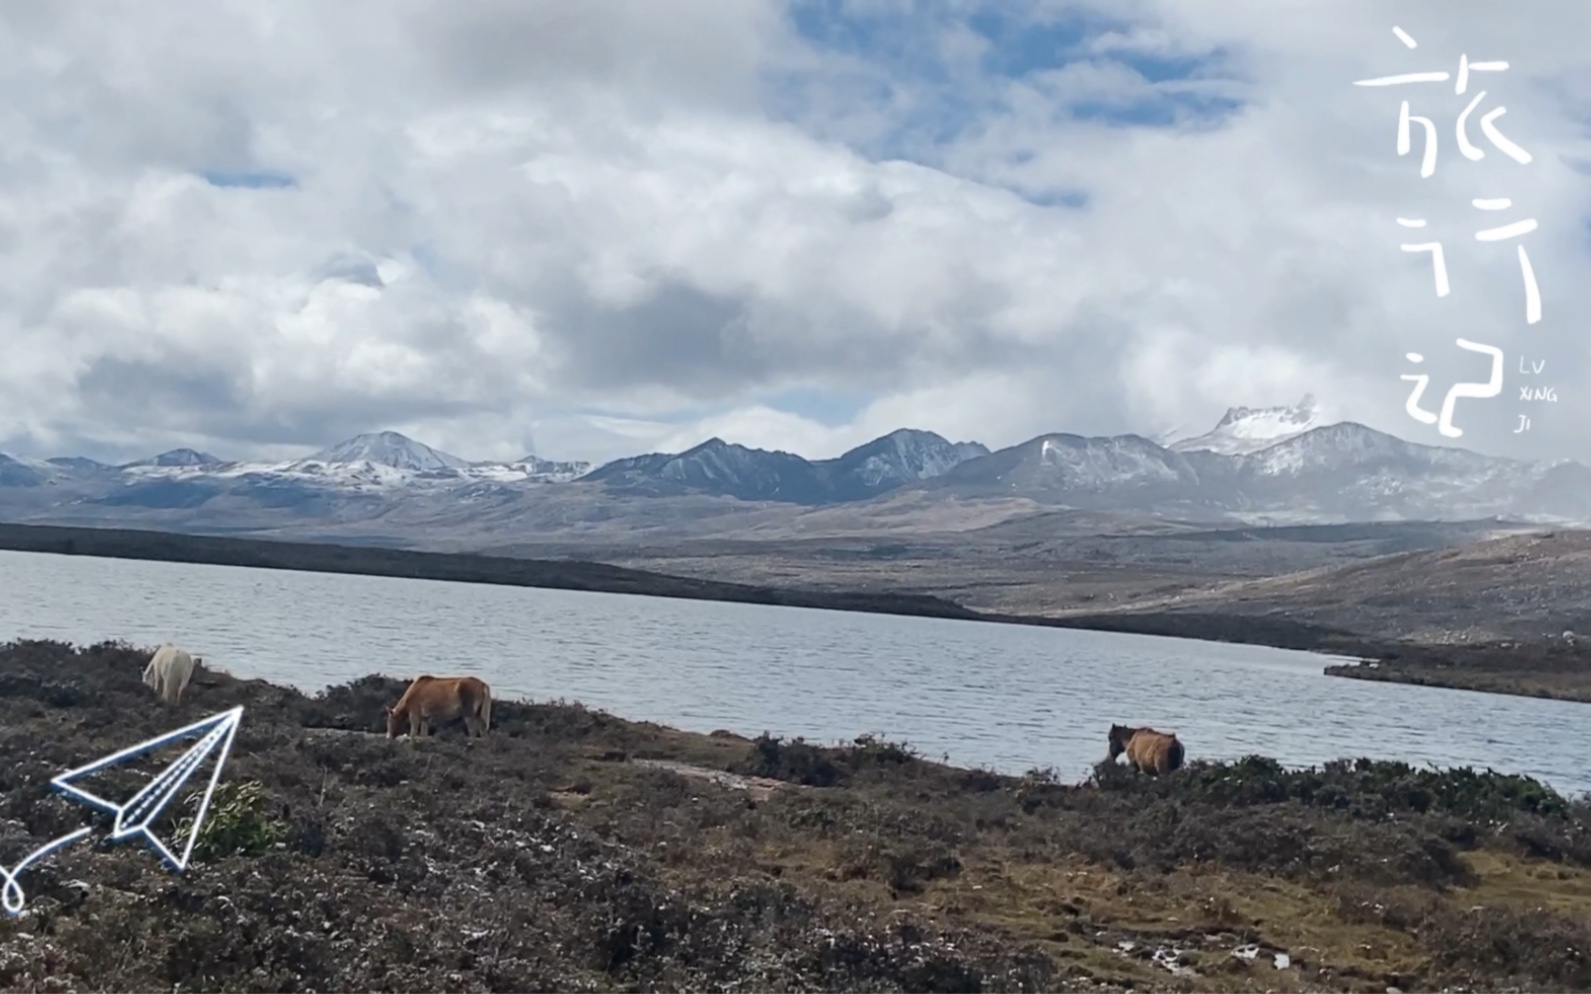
1514 230
1499 233
146 805
1473 154
1428 157
12 890
133 818
1421 380
1478 391
1435 248
1466 148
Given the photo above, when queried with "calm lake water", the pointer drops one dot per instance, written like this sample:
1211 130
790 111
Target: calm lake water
1006 697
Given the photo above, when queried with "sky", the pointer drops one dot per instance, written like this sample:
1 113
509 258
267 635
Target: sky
595 229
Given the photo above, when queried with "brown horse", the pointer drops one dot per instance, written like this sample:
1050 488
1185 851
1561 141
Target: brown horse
444 698
1148 751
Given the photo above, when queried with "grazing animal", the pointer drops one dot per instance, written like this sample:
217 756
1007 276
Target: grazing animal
169 671
1148 751
444 698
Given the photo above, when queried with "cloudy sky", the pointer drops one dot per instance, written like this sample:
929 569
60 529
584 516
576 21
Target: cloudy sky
593 228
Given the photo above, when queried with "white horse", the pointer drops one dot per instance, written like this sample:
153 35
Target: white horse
169 671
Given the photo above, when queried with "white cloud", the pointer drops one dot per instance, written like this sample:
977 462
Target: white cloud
507 213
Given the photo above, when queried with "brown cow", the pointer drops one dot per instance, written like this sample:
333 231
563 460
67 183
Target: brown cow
1148 751
444 698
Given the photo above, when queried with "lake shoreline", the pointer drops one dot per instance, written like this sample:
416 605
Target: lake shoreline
577 850
1538 669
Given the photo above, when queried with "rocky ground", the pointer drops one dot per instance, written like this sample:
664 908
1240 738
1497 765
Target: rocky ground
577 851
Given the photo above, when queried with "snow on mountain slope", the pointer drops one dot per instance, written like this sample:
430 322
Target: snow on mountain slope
372 462
80 464
1348 444
1277 463
1249 429
1072 464
390 450
538 470
1338 472
1106 462
903 455
718 467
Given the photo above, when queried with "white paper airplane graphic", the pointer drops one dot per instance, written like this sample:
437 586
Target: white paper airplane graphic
135 816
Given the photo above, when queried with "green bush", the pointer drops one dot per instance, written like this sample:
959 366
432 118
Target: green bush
1362 788
238 823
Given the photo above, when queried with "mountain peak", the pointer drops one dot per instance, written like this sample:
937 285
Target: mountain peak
1249 429
180 458
389 448
186 457
1302 412
905 455
551 470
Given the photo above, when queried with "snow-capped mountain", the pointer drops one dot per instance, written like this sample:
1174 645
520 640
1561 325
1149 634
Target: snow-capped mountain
1339 472
1071 466
388 449
1250 429
721 468
1268 464
372 462
1333 473
903 456
370 476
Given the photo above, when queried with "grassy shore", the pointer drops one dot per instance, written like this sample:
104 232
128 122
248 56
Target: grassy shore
574 850
1560 670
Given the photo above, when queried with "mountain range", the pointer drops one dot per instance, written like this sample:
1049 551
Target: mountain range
1257 465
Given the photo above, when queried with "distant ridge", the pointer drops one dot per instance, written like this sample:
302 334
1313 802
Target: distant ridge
1277 466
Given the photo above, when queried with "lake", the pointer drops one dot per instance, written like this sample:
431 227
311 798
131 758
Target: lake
1008 697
